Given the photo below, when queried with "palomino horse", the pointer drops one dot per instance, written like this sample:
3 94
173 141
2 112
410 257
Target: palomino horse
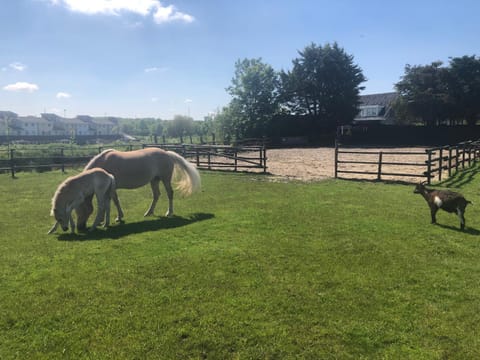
73 191
133 169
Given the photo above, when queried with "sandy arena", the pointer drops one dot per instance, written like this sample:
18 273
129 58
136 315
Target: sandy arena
313 164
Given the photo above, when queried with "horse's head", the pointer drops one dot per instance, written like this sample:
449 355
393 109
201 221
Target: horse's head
61 217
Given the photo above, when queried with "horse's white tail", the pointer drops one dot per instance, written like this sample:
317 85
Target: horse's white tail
188 180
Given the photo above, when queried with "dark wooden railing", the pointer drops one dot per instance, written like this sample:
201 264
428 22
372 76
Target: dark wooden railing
432 163
211 157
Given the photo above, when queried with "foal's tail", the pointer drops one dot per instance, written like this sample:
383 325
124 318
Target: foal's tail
188 179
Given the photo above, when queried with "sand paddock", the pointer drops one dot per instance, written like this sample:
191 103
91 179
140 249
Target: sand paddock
313 164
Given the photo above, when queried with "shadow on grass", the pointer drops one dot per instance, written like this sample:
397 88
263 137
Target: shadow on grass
461 178
382 181
468 230
123 229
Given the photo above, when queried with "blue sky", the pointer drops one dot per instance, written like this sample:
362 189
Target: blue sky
151 58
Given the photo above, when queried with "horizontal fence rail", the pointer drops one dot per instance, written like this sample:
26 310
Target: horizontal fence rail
216 157
211 157
431 163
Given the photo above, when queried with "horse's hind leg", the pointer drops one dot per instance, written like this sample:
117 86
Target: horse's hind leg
155 194
169 190
100 212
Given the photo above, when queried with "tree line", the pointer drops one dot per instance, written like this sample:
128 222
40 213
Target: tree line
323 86
435 94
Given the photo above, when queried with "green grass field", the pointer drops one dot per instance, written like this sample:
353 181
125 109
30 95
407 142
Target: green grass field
248 269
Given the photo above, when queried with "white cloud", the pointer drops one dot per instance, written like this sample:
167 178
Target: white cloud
18 66
170 13
63 95
21 86
155 69
188 101
161 14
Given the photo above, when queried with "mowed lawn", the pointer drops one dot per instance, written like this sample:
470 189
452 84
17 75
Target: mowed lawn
248 269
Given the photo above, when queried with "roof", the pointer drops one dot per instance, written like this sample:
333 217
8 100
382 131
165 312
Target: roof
32 119
383 99
8 114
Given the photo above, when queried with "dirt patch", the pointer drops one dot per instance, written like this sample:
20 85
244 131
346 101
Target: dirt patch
313 164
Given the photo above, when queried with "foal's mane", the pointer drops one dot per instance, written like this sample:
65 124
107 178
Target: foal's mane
60 190
96 157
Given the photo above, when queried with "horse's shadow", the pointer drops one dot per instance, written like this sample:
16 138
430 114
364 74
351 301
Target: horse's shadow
118 231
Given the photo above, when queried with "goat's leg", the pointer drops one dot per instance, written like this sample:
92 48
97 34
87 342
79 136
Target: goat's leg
156 194
433 212
461 216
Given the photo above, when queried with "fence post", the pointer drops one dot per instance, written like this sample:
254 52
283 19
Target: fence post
336 159
470 154
235 154
62 155
264 155
12 163
456 158
463 156
449 161
379 175
429 165
197 156
440 165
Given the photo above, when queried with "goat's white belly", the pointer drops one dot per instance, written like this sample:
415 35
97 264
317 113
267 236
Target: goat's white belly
437 201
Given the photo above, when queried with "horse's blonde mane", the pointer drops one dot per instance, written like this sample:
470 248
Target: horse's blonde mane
95 159
60 190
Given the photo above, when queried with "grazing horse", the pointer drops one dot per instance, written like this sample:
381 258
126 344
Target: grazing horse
133 169
73 191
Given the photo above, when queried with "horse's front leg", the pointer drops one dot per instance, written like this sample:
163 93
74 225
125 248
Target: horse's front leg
84 210
155 194
72 223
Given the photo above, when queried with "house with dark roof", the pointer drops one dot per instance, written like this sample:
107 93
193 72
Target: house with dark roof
376 109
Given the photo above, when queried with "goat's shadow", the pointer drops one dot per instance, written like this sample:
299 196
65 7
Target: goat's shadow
468 230
117 231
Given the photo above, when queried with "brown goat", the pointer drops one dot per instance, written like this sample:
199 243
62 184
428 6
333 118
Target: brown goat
446 200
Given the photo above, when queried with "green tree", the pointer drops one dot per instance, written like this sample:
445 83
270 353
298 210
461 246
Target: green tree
424 90
464 87
181 126
254 92
224 124
323 82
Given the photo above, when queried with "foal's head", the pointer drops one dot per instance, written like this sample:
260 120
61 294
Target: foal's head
62 217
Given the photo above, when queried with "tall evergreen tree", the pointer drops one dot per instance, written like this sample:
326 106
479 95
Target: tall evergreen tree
323 82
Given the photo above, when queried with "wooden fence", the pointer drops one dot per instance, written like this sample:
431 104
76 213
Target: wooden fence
426 164
222 157
211 157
